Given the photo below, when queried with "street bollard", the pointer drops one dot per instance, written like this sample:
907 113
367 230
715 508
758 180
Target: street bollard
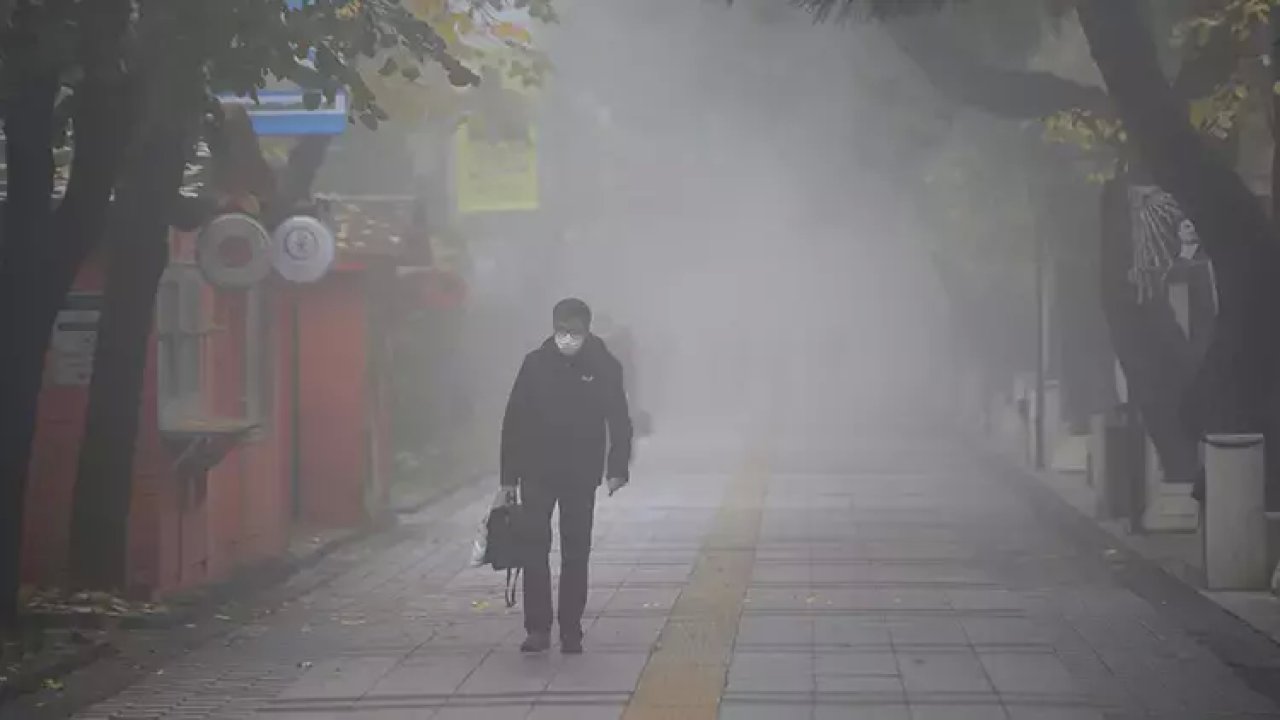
1235 520
1098 457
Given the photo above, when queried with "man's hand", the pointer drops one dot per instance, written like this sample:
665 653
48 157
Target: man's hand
615 484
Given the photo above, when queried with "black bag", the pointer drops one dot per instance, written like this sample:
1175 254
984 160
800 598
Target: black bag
505 547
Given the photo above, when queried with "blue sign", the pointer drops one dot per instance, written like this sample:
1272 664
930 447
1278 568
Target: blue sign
284 112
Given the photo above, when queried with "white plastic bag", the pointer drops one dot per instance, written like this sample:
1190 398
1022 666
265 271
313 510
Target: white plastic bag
481 544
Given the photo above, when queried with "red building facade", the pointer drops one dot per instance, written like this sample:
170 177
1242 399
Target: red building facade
277 389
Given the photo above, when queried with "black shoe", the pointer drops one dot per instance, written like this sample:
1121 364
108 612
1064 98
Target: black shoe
571 646
536 642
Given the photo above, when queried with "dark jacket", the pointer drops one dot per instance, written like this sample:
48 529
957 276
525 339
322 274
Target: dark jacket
562 415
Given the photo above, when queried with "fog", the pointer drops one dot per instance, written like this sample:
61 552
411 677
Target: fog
715 180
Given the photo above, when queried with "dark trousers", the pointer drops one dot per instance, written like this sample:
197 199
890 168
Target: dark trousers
577 501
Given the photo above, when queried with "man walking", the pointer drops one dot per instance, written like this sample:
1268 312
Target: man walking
567 425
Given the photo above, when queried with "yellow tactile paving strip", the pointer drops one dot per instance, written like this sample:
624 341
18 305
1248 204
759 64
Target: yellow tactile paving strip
685 675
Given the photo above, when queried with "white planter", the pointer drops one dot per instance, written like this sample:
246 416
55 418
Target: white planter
1235 528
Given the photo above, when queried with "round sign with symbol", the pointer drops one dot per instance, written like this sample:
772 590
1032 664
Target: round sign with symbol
305 248
234 251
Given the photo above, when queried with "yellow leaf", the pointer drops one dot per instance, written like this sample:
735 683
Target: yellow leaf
1200 110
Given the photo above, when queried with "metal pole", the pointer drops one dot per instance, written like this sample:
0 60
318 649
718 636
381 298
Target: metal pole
295 404
1040 354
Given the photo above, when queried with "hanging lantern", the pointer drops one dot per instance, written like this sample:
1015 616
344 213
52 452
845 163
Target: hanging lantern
234 252
303 249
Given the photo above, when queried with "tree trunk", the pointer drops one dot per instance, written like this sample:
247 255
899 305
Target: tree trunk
146 196
1272 445
1156 356
29 144
40 258
137 259
1230 220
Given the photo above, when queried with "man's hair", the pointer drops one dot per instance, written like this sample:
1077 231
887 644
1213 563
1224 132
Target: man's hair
571 309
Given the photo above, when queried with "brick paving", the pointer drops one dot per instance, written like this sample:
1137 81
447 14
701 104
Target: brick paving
885 583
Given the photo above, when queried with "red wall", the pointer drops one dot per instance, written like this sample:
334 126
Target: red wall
60 424
333 369
245 515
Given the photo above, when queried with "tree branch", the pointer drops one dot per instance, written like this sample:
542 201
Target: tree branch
1229 218
299 174
98 121
1014 94
1157 120
1208 66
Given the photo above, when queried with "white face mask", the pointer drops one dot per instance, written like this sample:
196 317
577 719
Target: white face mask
569 344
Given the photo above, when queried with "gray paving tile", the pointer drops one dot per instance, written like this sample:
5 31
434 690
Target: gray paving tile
644 599
1049 713
625 631
771 672
481 633
856 663
428 675
907 632
659 573
600 672
763 711
340 678
798 573
880 688
774 630
1027 673
942 672
888 711
492 712
851 631
987 599
550 711
301 715
914 599
797 599
389 714
958 712
1006 631
511 672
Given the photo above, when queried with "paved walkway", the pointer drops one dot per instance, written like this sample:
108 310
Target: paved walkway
881 582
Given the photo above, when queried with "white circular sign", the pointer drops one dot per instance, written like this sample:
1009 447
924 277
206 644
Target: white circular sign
305 249
234 251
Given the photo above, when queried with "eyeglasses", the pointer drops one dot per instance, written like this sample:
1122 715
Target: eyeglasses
572 331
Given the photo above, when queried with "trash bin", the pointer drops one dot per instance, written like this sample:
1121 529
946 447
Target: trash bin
1123 475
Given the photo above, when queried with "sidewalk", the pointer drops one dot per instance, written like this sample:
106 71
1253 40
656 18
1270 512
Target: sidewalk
854 580
1180 554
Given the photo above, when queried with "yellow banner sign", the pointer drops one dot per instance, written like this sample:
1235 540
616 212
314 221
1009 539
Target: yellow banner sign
495 176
